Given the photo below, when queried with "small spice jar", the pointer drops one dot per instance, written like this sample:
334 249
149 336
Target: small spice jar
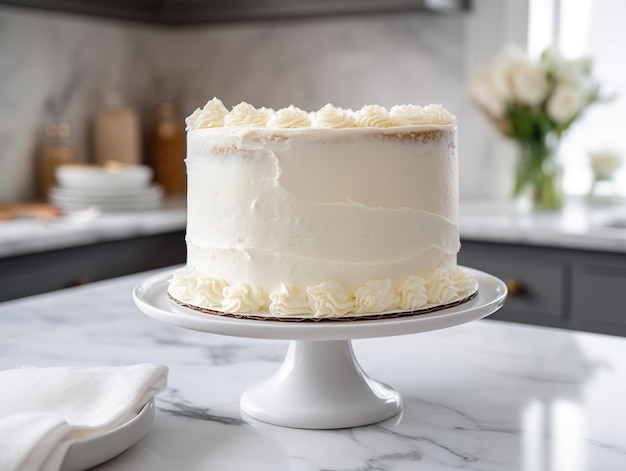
168 149
116 133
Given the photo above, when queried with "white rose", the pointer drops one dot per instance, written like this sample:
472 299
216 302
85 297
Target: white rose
565 103
572 70
492 89
576 73
500 80
486 95
511 53
605 162
520 79
509 60
529 83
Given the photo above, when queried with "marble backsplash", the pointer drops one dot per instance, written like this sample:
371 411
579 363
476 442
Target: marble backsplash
56 67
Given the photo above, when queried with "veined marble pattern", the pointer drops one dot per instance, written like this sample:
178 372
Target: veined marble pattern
482 396
56 67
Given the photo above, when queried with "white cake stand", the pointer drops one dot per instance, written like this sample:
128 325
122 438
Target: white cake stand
320 384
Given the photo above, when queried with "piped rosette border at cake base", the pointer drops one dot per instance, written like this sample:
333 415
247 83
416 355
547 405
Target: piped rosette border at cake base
268 317
448 288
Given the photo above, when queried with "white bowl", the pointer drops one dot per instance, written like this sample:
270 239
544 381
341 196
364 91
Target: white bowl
109 176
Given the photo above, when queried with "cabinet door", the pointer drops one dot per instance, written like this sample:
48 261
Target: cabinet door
538 274
30 274
599 293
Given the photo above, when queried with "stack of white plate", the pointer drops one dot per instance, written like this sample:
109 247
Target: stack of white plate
127 188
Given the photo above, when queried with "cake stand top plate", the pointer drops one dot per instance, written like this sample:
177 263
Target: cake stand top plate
151 298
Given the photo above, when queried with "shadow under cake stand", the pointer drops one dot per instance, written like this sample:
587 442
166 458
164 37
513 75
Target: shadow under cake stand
320 384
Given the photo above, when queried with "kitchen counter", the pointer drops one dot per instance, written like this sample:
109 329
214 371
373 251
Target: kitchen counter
486 395
37 256
564 268
577 226
28 235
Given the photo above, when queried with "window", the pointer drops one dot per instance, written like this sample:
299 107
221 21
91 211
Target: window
592 28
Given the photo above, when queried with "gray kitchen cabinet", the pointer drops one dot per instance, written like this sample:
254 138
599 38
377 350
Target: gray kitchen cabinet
557 287
599 292
35 273
180 12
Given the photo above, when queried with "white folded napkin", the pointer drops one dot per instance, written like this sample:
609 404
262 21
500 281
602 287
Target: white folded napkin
44 410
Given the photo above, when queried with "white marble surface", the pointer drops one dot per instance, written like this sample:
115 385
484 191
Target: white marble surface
482 396
28 235
578 225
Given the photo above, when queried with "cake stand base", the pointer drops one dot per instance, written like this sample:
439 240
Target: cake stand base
320 385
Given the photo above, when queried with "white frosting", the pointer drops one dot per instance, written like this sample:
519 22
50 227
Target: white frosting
464 283
440 289
372 116
210 116
437 114
245 115
330 216
290 117
214 114
413 294
407 115
243 298
191 287
329 298
288 301
335 118
411 115
375 296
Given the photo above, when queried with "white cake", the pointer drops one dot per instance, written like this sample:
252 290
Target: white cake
327 214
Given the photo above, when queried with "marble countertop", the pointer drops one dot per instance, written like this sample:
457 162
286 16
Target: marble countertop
28 235
484 396
577 225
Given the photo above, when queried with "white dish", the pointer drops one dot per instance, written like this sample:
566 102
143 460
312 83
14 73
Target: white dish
151 297
109 176
105 200
118 206
108 200
85 454
106 193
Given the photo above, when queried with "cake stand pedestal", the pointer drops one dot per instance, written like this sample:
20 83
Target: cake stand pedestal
320 384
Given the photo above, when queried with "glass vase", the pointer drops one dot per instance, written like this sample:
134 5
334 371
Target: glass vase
538 175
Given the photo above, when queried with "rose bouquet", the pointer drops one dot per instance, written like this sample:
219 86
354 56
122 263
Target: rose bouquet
534 103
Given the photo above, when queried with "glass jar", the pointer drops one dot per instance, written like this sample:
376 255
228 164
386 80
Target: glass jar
538 176
168 149
56 149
